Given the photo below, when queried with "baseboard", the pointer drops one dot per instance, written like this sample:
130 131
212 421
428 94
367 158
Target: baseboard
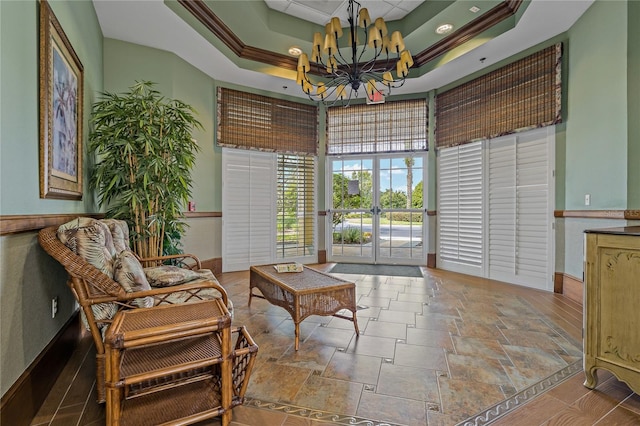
431 260
214 264
570 286
21 402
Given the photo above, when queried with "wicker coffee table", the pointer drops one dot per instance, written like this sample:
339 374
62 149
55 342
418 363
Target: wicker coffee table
305 293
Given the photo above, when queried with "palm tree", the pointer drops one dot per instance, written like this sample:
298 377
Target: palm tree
409 162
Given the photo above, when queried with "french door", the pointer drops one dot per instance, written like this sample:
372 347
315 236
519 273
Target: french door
376 210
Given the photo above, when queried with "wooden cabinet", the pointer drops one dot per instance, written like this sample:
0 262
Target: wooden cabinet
612 305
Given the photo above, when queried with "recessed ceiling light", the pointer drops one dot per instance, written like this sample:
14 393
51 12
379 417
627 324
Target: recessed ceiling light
444 28
295 51
474 9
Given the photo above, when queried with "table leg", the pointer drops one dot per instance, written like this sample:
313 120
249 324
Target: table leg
297 336
355 324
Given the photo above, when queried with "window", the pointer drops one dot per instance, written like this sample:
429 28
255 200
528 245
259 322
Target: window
268 184
390 127
268 208
295 214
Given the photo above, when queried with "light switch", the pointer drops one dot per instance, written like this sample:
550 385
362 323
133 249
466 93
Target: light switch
587 199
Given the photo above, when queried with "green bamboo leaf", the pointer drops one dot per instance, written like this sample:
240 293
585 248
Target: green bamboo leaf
144 155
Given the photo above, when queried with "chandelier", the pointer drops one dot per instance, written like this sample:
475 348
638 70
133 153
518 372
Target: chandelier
373 68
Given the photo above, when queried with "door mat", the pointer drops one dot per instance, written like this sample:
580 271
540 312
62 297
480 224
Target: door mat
364 269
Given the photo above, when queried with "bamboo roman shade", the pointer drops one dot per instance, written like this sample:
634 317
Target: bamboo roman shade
522 95
250 121
390 127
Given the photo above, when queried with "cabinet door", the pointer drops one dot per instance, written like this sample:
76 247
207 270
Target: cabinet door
618 293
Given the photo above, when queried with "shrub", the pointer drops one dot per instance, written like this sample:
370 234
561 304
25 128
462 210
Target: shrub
351 236
404 217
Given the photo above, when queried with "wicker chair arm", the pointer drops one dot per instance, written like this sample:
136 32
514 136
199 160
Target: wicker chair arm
146 261
175 288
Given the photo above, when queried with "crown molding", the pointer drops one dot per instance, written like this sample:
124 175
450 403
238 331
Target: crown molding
202 12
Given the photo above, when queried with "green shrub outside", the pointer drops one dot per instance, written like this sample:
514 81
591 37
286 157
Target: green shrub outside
404 217
351 236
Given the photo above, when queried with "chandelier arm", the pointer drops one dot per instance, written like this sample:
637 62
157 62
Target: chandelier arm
343 61
333 84
369 67
386 67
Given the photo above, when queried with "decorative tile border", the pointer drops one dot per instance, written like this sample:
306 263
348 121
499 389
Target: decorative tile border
524 396
483 418
313 414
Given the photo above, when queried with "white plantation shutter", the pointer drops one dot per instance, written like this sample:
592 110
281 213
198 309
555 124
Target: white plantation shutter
470 203
502 205
520 217
513 241
448 203
248 211
533 212
460 221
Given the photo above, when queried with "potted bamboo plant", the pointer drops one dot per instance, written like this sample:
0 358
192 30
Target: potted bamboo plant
144 157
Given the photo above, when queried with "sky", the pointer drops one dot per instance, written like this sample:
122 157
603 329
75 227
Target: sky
393 171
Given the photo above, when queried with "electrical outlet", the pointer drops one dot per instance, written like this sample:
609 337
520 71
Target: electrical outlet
54 307
587 199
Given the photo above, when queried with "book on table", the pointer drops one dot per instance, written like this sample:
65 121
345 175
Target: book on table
288 267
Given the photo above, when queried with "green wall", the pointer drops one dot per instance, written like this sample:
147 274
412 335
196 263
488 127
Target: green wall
633 101
126 63
597 122
601 142
19 156
29 278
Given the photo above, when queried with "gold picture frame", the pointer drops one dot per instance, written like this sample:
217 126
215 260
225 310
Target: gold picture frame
61 94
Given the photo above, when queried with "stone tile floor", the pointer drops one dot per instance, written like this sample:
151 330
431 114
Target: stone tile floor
441 350
430 350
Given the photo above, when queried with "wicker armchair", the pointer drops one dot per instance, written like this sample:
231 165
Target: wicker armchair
93 288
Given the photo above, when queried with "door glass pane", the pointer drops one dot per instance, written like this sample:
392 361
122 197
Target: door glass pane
352 200
401 201
352 184
352 235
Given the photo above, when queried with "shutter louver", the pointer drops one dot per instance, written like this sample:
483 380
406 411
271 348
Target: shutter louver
533 209
502 205
248 214
460 192
519 211
470 203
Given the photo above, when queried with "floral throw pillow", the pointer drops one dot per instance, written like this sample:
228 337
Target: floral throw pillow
90 239
119 233
167 275
128 272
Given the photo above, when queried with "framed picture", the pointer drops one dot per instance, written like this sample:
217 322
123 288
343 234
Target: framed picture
61 84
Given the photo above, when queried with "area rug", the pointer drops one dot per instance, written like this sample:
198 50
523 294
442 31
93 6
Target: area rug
365 269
